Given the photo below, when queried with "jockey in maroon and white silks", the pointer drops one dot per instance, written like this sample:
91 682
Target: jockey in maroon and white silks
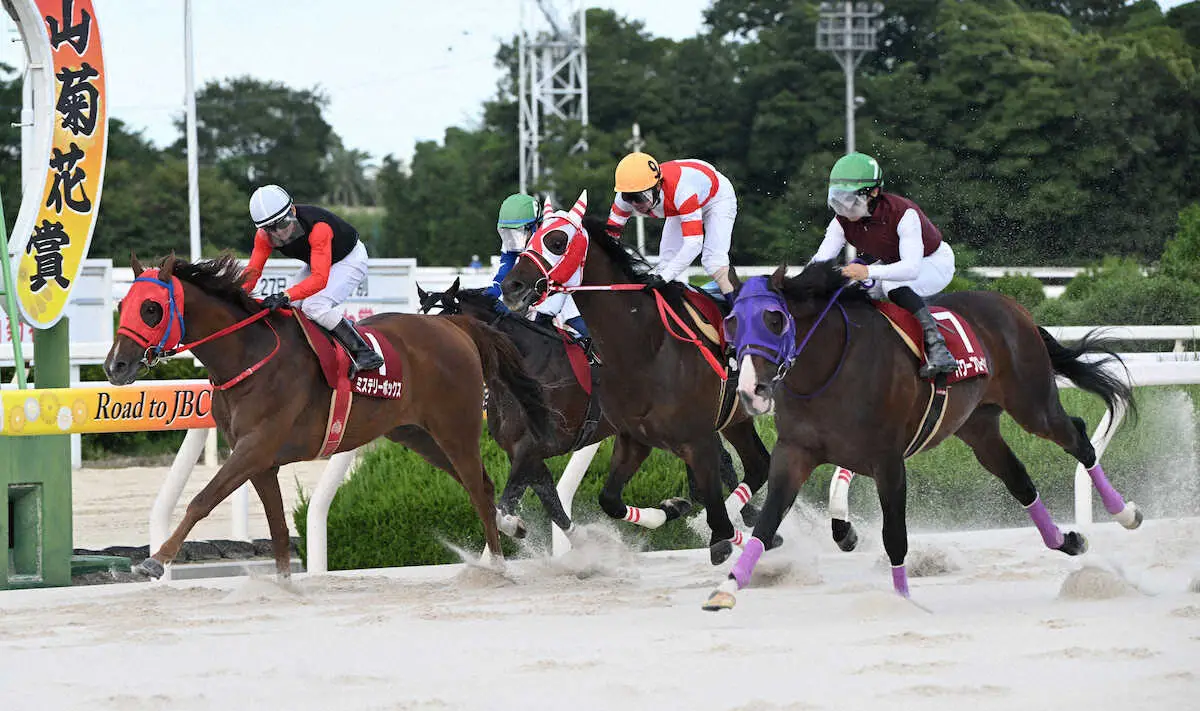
698 203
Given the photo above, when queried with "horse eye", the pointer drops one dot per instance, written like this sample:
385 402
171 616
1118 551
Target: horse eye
774 321
152 313
556 242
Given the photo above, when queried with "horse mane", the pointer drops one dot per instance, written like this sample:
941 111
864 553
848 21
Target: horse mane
221 277
628 261
820 280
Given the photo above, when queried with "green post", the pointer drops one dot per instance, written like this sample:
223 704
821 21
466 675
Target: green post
35 481
8 288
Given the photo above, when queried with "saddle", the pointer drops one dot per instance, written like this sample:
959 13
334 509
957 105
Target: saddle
384 383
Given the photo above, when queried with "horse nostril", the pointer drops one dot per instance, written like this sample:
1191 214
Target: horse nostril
761 390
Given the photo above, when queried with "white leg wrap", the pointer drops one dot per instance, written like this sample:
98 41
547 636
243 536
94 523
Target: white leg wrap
646 518
839 494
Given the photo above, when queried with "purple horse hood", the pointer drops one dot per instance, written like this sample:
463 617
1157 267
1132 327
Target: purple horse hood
749 329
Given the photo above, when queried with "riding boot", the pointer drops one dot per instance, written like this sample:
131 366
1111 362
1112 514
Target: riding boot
584 339
937 356
362 356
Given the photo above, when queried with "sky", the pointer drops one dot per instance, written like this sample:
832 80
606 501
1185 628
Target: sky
396 71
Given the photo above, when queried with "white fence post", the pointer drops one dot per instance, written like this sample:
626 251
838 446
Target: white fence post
172 487
567 485
318 510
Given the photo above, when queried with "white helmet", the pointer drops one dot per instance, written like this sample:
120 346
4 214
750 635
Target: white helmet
268 204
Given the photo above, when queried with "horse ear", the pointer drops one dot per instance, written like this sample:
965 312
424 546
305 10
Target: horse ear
453 290
135 265
734 279
580 208
778 278
168 267
547 208
421 294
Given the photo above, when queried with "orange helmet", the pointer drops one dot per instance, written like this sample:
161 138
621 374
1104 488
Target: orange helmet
637 172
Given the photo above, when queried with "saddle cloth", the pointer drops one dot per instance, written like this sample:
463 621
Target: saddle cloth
335 366
960 338
579 362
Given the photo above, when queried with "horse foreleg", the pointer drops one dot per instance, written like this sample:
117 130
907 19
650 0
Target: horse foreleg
790 468
542 482
844 534
267 486
705 460
756 463
628 454
245 461
892 485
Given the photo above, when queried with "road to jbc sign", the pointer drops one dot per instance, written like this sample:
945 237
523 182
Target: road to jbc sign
167 405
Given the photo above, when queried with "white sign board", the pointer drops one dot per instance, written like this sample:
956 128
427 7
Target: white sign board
90 310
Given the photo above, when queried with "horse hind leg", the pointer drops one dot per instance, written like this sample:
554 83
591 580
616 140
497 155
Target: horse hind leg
843 531
462 452
628 454
981 432
267 486
1070 433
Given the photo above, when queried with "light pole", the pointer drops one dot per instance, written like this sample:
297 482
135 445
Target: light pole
847 31
636 144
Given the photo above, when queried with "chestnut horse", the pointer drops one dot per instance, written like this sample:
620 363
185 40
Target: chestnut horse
271 401
848 393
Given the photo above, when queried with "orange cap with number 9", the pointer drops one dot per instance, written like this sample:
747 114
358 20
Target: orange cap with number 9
637 172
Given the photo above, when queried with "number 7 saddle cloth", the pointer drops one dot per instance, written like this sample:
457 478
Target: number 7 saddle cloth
960 338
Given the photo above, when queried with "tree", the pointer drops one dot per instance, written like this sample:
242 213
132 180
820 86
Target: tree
10 142
260 132
346 171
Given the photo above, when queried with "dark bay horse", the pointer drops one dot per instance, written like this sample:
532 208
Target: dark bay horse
278 414
577 417
850 395
657 391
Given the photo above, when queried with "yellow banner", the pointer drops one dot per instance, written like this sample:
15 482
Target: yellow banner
156 405
58 243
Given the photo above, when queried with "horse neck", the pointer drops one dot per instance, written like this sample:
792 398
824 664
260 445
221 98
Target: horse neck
623 320
825 348
226 356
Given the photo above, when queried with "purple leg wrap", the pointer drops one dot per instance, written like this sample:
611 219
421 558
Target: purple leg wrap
746 562
1052 537
1113 503
900 580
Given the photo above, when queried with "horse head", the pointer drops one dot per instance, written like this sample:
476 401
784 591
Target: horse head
151 321
555 256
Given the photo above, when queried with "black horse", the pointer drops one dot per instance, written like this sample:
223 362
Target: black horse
578 418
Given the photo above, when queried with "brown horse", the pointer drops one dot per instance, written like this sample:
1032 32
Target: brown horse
849 394
278 414
658 391
578 416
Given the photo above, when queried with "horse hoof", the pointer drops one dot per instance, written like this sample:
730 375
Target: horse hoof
776 541
719 600
1130 517
675 508
844 535
149 568
510 525
720 551
1074 543
750 514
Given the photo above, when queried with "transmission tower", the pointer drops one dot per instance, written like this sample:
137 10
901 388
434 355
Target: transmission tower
552 79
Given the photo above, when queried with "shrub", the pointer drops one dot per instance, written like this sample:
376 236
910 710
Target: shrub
1181 258
1025 289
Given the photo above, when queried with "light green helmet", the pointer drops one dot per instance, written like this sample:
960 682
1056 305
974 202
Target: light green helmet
855 171
517 210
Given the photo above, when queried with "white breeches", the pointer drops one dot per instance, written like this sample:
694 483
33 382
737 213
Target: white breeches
936 272
560 305
325 306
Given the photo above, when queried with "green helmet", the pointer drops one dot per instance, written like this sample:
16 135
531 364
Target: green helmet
517 210
855 171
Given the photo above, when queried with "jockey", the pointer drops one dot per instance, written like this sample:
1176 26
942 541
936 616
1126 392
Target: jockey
912 260
335 262
699 206
519 219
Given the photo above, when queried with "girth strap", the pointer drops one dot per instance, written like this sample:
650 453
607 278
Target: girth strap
935 409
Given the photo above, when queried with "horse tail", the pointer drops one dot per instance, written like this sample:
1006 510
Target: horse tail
1092 375
502 365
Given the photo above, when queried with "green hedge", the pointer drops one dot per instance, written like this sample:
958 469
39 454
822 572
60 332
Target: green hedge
397 510
1027 290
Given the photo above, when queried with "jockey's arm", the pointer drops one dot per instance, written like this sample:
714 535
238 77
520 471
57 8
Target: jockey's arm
912 249
320 242
832 245
258 260
692 227
618 216
507 260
